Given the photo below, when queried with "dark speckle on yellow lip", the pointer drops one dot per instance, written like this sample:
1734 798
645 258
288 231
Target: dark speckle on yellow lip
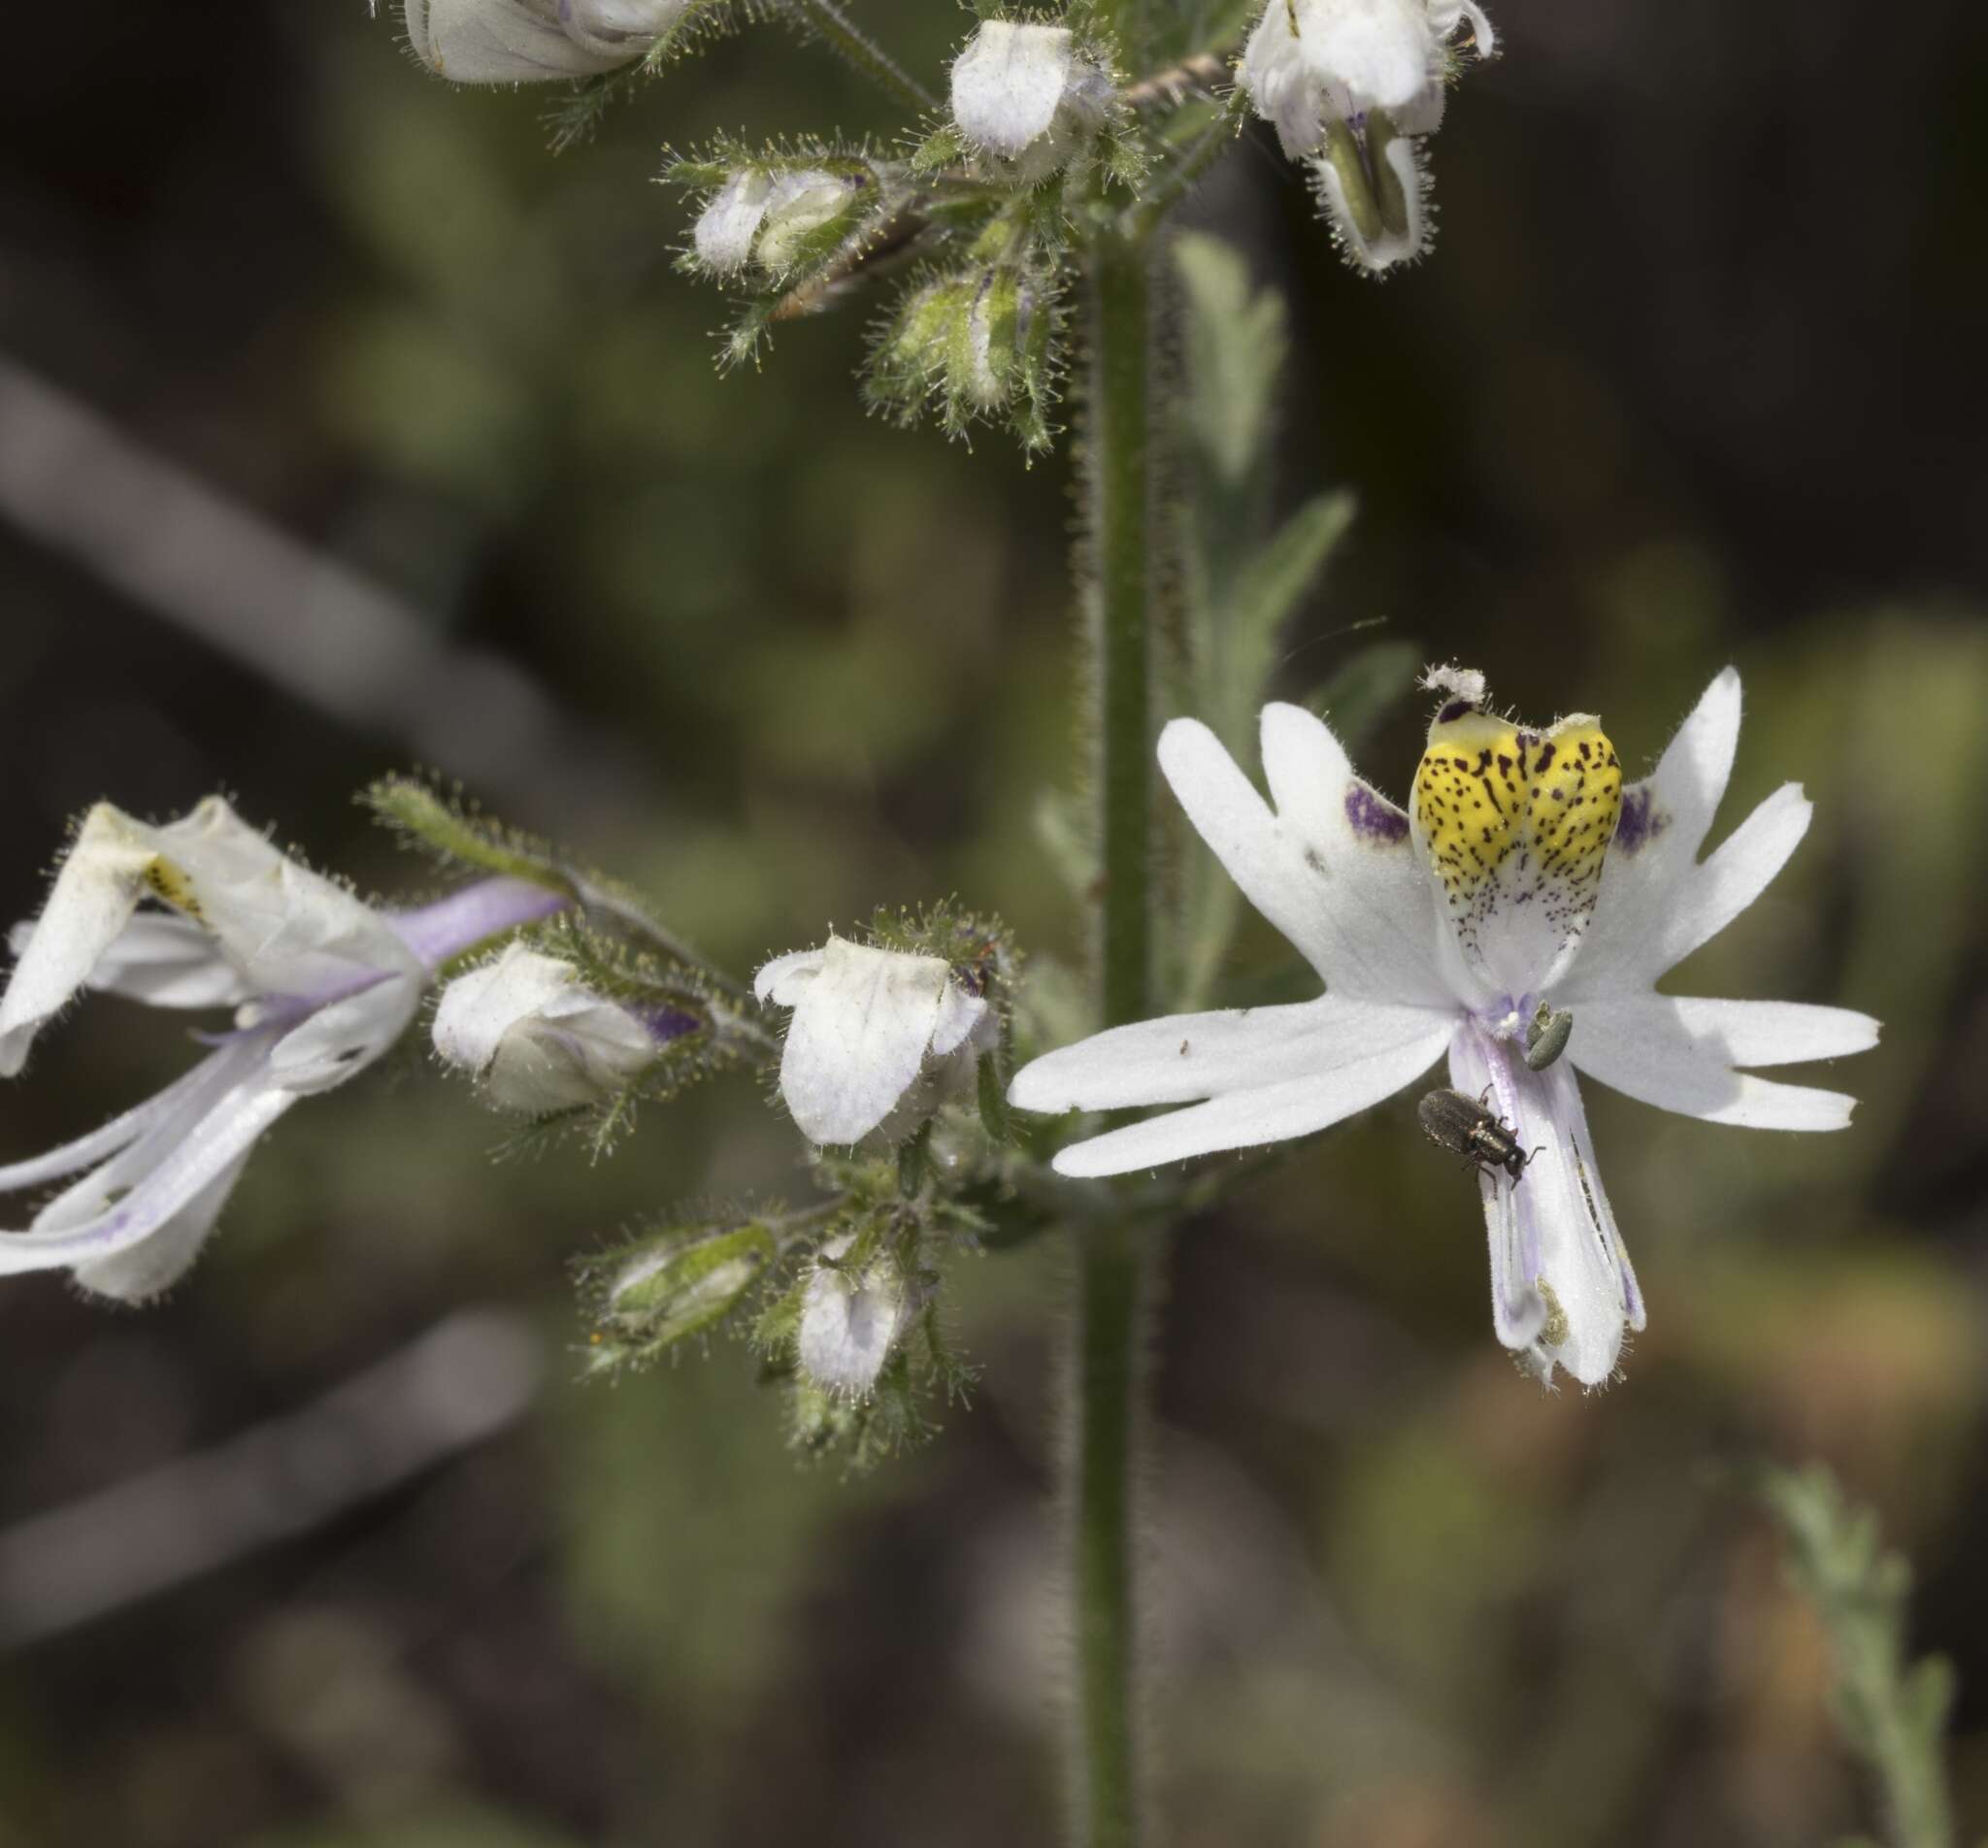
1510 816
171 885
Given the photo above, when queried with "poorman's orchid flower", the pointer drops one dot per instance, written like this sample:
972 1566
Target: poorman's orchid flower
879 1039
1526 874
320 984
1351 84
536 1039
532 41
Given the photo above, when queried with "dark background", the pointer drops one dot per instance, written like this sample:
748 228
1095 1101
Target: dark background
1690 379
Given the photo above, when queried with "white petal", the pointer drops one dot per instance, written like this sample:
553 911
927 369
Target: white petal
1335 874
1561 1278
784 980
1745 864
165 961
1663 822
150 1268
217 1143
961 1018
1284 89
1674 1055
727 226
1758 1031
1379 52
1008 83
99 886
1273 1114
858 1040
118 1132
499 41
1405 162
342 1038
620 29
848 1324
1382 912
1184 1057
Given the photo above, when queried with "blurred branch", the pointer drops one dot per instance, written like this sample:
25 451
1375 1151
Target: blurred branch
1892 1711
298 618
467 1378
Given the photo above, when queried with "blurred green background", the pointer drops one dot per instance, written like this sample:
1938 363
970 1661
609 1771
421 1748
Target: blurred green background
1689 379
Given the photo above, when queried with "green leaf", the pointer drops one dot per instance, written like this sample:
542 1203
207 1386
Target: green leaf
1235 348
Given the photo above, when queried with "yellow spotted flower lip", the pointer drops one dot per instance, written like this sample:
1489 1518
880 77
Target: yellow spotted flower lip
1515 823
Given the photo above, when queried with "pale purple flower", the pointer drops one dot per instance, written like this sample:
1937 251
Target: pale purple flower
1525 874
320 984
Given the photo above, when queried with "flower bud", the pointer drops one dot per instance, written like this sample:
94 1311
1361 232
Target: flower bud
851 1320
538 1039
533 40
679 1285
879 1039
773 218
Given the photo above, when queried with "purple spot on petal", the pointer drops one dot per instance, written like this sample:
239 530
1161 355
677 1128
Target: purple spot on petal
1641 823
1374 818
1456 710
665 1024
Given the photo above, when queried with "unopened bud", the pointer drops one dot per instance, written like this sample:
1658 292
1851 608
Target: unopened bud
798 206
851 1320
537 1041
680 1286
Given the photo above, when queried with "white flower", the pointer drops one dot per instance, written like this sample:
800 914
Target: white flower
850 1323
530 41
322 985
878 1040
1352 82
1025 91
538 1039
1526 874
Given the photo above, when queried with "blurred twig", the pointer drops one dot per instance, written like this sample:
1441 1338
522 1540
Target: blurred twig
300 619
468 1377
1892 1711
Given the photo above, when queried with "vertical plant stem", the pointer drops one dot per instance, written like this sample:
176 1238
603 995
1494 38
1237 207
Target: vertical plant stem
1115 1257
1120 489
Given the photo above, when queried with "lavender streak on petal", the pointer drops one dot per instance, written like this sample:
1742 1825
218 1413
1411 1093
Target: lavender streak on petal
450 925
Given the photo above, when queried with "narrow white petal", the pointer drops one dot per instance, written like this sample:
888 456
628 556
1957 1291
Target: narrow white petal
1248 1119
1663 822
151 1267
102 879
1181 1058
1552 1234
1286 91
858 1039
727 226
1381 911
1650 1048
216 1144
1746 1032
92 1193
1739 873
118 1132
960 1014
1344 889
